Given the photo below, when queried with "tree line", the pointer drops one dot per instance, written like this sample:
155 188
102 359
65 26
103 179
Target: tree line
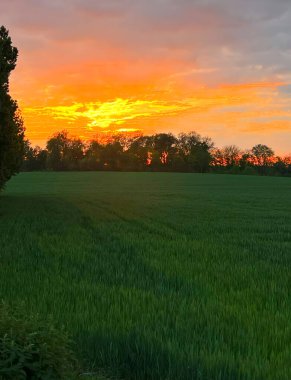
187 152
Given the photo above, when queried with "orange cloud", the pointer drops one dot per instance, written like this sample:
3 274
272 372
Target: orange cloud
208 105
105 114
268 126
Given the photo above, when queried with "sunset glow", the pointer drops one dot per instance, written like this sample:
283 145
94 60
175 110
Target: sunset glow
157 66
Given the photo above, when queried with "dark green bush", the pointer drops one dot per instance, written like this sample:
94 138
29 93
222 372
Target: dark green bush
33 349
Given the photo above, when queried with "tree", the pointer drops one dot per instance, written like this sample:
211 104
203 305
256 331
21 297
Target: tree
263 158
195 151
56 147
35 158
164 149
231 154
64 153
11 124
246 160
139 151
217 158
92 159
74 153
111 156
262 154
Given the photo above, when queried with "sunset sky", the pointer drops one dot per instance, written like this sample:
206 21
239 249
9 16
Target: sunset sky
219 67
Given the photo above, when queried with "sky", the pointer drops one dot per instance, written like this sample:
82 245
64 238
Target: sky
221 68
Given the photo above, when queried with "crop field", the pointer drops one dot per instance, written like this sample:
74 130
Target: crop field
156 276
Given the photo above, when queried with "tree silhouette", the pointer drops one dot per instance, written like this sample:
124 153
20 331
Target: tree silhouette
35 158
64 153
262 154
195 151
187 152
11 124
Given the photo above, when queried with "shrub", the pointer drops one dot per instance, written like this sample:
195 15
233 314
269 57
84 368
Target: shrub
33 349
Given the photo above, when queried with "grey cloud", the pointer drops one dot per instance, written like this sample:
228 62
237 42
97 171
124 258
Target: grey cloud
243 39
285 89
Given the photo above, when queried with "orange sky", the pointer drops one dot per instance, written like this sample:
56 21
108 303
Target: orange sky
155 66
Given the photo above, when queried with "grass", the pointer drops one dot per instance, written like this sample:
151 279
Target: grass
156 275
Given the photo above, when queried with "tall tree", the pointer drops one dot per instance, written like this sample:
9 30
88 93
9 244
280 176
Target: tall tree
57 146
11 124
195 151
164 145
262 154
92 159
140 152
63 152
232 155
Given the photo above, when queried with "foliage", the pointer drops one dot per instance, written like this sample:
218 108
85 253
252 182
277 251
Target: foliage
33 349
156 276
64 153
262 154
160 152
11 124
188 152
35 158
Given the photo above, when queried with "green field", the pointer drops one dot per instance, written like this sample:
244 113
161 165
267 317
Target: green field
156 275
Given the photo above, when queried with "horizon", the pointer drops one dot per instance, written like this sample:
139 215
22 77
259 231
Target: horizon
215 67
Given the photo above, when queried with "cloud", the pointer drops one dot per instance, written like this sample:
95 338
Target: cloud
285 89
268 126
162 51
104 115
243 40
231 102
